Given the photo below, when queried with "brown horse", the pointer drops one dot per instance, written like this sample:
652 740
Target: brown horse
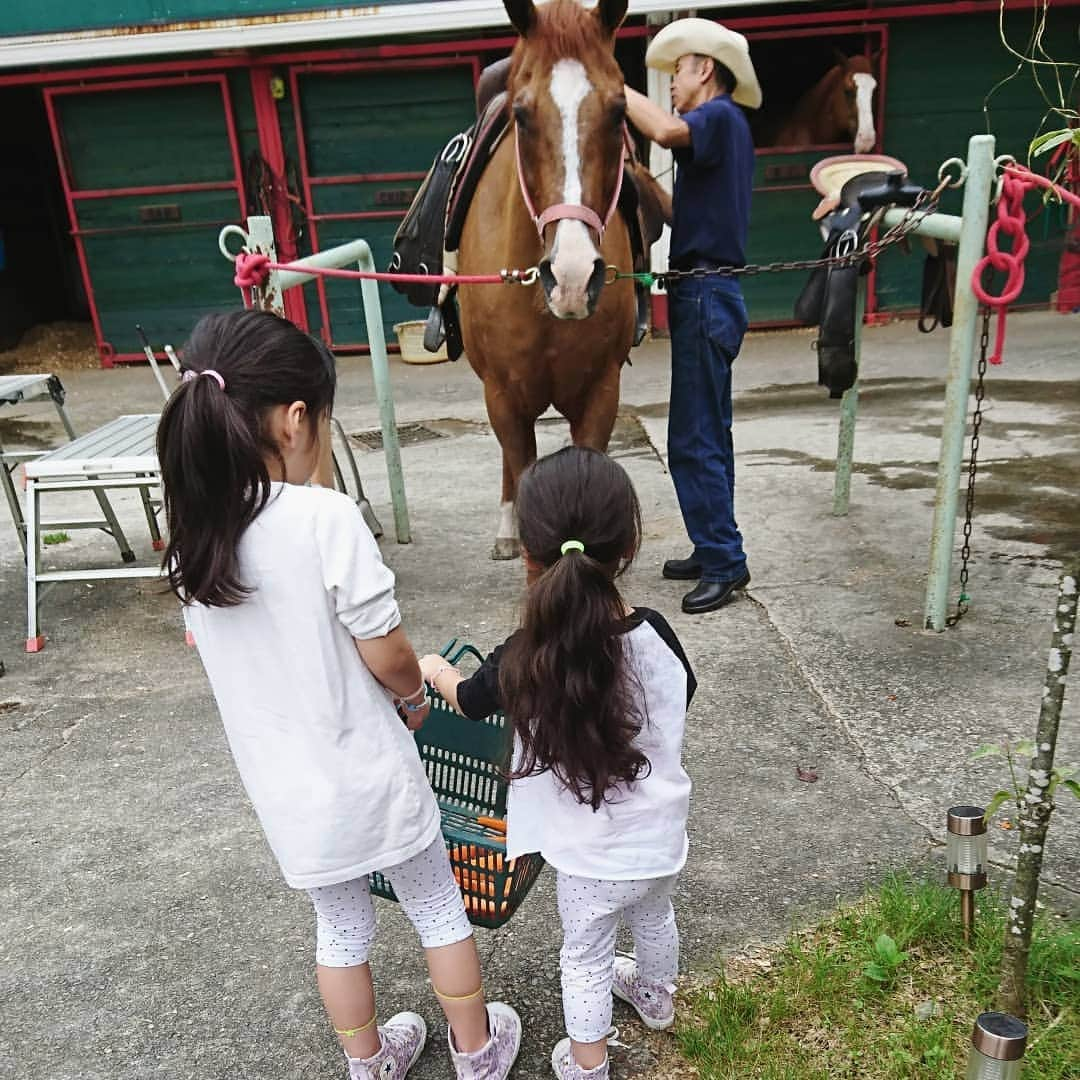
547 199
838 108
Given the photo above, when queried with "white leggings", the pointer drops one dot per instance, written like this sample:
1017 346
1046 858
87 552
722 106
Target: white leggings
426 890
590 910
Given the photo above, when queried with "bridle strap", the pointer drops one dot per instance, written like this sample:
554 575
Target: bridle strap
571 211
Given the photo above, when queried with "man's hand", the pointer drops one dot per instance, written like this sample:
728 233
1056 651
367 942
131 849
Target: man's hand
662 127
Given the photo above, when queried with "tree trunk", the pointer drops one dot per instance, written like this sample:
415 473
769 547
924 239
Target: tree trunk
1037 804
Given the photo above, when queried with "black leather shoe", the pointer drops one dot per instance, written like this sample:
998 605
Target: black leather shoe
710 595
682 569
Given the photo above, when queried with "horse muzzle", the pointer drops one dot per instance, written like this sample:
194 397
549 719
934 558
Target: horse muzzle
570 294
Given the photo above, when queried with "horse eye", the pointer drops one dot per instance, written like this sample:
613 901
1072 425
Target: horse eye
521 114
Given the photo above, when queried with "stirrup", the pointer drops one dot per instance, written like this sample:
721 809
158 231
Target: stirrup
434 330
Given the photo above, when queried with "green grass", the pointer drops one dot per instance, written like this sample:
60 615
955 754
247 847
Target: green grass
839 1001
55 538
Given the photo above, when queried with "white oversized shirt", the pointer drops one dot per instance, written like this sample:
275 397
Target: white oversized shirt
332 772
639 832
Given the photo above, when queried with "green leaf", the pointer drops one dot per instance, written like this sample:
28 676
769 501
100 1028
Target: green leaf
1073 786
1047 142
996 803
878 973
887 952
1025 748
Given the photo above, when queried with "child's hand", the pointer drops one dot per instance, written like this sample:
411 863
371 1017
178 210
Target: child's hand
414 718
430 664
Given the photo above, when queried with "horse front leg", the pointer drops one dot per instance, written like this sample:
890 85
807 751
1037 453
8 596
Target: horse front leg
593 418
517 438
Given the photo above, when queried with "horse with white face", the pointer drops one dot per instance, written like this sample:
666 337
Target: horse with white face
838 107
548 199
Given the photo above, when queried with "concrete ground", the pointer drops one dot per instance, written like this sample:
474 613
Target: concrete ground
144 928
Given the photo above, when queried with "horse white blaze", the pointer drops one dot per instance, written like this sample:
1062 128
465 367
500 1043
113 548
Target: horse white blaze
865 136
573 255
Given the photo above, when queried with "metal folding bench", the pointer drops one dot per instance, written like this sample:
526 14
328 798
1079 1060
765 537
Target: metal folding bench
120 455
13 389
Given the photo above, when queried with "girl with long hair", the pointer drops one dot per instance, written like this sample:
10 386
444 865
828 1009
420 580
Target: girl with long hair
597 694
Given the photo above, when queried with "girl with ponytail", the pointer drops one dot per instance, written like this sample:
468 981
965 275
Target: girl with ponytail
294 616
597 694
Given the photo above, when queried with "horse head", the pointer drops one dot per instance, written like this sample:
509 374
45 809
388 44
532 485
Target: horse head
569 114
858 82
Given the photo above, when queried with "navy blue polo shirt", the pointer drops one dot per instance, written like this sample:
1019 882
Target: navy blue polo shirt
713 181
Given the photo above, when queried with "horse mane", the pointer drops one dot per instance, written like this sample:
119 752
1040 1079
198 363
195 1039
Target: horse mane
564 30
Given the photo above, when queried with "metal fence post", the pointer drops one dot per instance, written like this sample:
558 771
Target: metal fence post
975 214
849 406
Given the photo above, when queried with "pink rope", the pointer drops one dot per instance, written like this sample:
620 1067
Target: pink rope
1016 182
253 271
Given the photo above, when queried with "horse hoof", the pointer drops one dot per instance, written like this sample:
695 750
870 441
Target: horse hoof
506 547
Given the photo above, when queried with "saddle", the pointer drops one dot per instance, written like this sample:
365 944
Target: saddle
435 220
828 298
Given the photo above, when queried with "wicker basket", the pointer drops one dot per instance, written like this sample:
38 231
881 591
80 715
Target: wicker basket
410 337
464 760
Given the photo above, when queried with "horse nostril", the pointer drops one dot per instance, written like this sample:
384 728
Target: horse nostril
596 283
547 276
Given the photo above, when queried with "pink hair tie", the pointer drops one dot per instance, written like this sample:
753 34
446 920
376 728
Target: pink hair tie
215 375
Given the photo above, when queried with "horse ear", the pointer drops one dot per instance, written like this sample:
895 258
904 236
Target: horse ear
839 57
611 13
522 14
875 58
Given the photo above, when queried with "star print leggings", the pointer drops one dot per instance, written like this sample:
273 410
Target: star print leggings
590 910
425 888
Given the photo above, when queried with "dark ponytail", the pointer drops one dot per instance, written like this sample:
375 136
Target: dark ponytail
213 444
564 678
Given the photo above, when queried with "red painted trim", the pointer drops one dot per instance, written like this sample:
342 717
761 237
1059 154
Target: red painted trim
366 178
305 183
137 84
272 149
839 148
234 146
813 31
319 68
360 215
73 220
119 230
152 189
912 11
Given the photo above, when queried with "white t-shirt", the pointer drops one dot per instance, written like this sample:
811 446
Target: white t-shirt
332 772
640 831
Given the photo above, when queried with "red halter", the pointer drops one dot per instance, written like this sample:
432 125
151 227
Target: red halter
564 211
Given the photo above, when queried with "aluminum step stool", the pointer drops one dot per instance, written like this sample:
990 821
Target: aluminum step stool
119 455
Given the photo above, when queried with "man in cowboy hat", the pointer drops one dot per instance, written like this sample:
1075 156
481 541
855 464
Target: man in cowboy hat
710 138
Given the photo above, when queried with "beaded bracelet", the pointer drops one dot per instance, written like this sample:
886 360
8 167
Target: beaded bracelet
435 675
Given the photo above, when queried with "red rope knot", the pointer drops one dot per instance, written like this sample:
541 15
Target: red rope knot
1011 222
252 271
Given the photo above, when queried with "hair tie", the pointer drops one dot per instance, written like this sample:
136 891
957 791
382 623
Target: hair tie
572 545
215 375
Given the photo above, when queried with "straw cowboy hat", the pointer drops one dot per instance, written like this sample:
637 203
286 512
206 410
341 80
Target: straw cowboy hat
707 38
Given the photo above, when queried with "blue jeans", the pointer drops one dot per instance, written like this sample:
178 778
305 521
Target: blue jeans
708 320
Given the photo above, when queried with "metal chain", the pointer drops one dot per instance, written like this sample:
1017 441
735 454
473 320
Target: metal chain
925 204
973 468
